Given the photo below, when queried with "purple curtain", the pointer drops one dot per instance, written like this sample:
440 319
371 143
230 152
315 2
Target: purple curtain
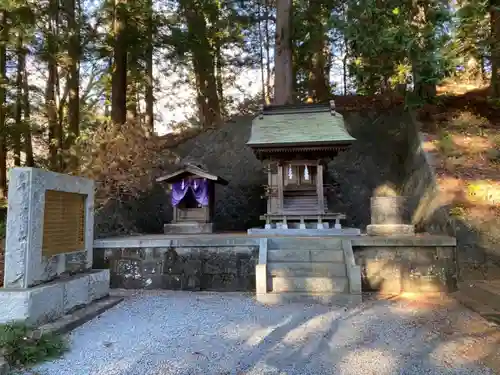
198 186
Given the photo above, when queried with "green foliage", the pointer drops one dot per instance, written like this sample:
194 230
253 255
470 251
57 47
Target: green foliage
458 212
3 228
387 43
21 346
446 143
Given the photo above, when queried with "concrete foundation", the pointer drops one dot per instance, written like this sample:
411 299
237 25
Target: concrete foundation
390 229
227 262
297 232
188 228
48 302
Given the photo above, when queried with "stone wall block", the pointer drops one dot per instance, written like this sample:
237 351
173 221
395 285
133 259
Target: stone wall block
99 284
192 267
151 267
172 263
132 253
75 262
246 267
76 293
173 282
152 281
16 306
47 303
159 252
128 268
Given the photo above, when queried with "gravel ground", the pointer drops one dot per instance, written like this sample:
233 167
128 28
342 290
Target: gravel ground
170 333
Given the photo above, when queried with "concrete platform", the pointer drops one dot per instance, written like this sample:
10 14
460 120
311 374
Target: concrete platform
305 232
244 239
48 302
390 229
188 228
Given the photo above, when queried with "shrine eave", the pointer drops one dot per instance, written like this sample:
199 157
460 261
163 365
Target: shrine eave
191 170
284 148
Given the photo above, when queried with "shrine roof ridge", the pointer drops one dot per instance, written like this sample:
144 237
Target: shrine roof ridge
300 124
295 108
191 169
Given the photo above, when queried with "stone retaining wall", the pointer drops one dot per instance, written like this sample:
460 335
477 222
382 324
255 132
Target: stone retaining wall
407 269
390 264
219 268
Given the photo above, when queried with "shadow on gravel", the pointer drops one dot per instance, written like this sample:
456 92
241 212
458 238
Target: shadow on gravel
404 337
224 334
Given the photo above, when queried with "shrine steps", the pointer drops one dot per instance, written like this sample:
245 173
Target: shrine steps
308 270
329 299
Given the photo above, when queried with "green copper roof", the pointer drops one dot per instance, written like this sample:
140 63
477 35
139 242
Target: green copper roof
298 125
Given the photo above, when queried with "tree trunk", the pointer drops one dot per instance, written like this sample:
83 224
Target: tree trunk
344 64
219 77
107 107
204 68
261 51
119 72
495 47
283 82
28 145
132 78
422 64
149 95
267 36
73 79
4 35
318 86
16 134
50 89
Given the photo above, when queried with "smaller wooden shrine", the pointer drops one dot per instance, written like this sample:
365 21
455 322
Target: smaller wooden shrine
295 143
192 197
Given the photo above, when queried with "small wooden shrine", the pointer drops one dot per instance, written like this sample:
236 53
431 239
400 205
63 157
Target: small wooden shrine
192 197
295 142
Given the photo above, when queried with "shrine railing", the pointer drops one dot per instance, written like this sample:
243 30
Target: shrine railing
272 190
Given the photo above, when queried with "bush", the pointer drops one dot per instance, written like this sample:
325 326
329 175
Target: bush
122 160
21 347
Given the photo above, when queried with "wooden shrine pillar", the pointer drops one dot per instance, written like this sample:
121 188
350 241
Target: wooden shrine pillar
280 187
319 189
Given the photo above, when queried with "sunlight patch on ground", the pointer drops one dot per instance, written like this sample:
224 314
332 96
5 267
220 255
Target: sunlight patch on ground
415 304
315 325
471 144
459 88
374 362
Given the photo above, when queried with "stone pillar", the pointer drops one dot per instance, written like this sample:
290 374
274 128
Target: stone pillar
390 216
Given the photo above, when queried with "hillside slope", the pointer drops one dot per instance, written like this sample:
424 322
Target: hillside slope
465 152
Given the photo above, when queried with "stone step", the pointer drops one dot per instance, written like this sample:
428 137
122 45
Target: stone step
302 269
305 243
309 284
482 293
477 306
337 300
295 255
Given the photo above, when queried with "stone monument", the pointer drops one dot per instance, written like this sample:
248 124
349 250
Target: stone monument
48 247
390 214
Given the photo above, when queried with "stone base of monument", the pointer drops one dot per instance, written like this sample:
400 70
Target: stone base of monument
47 302
325 232
188 228
390 230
